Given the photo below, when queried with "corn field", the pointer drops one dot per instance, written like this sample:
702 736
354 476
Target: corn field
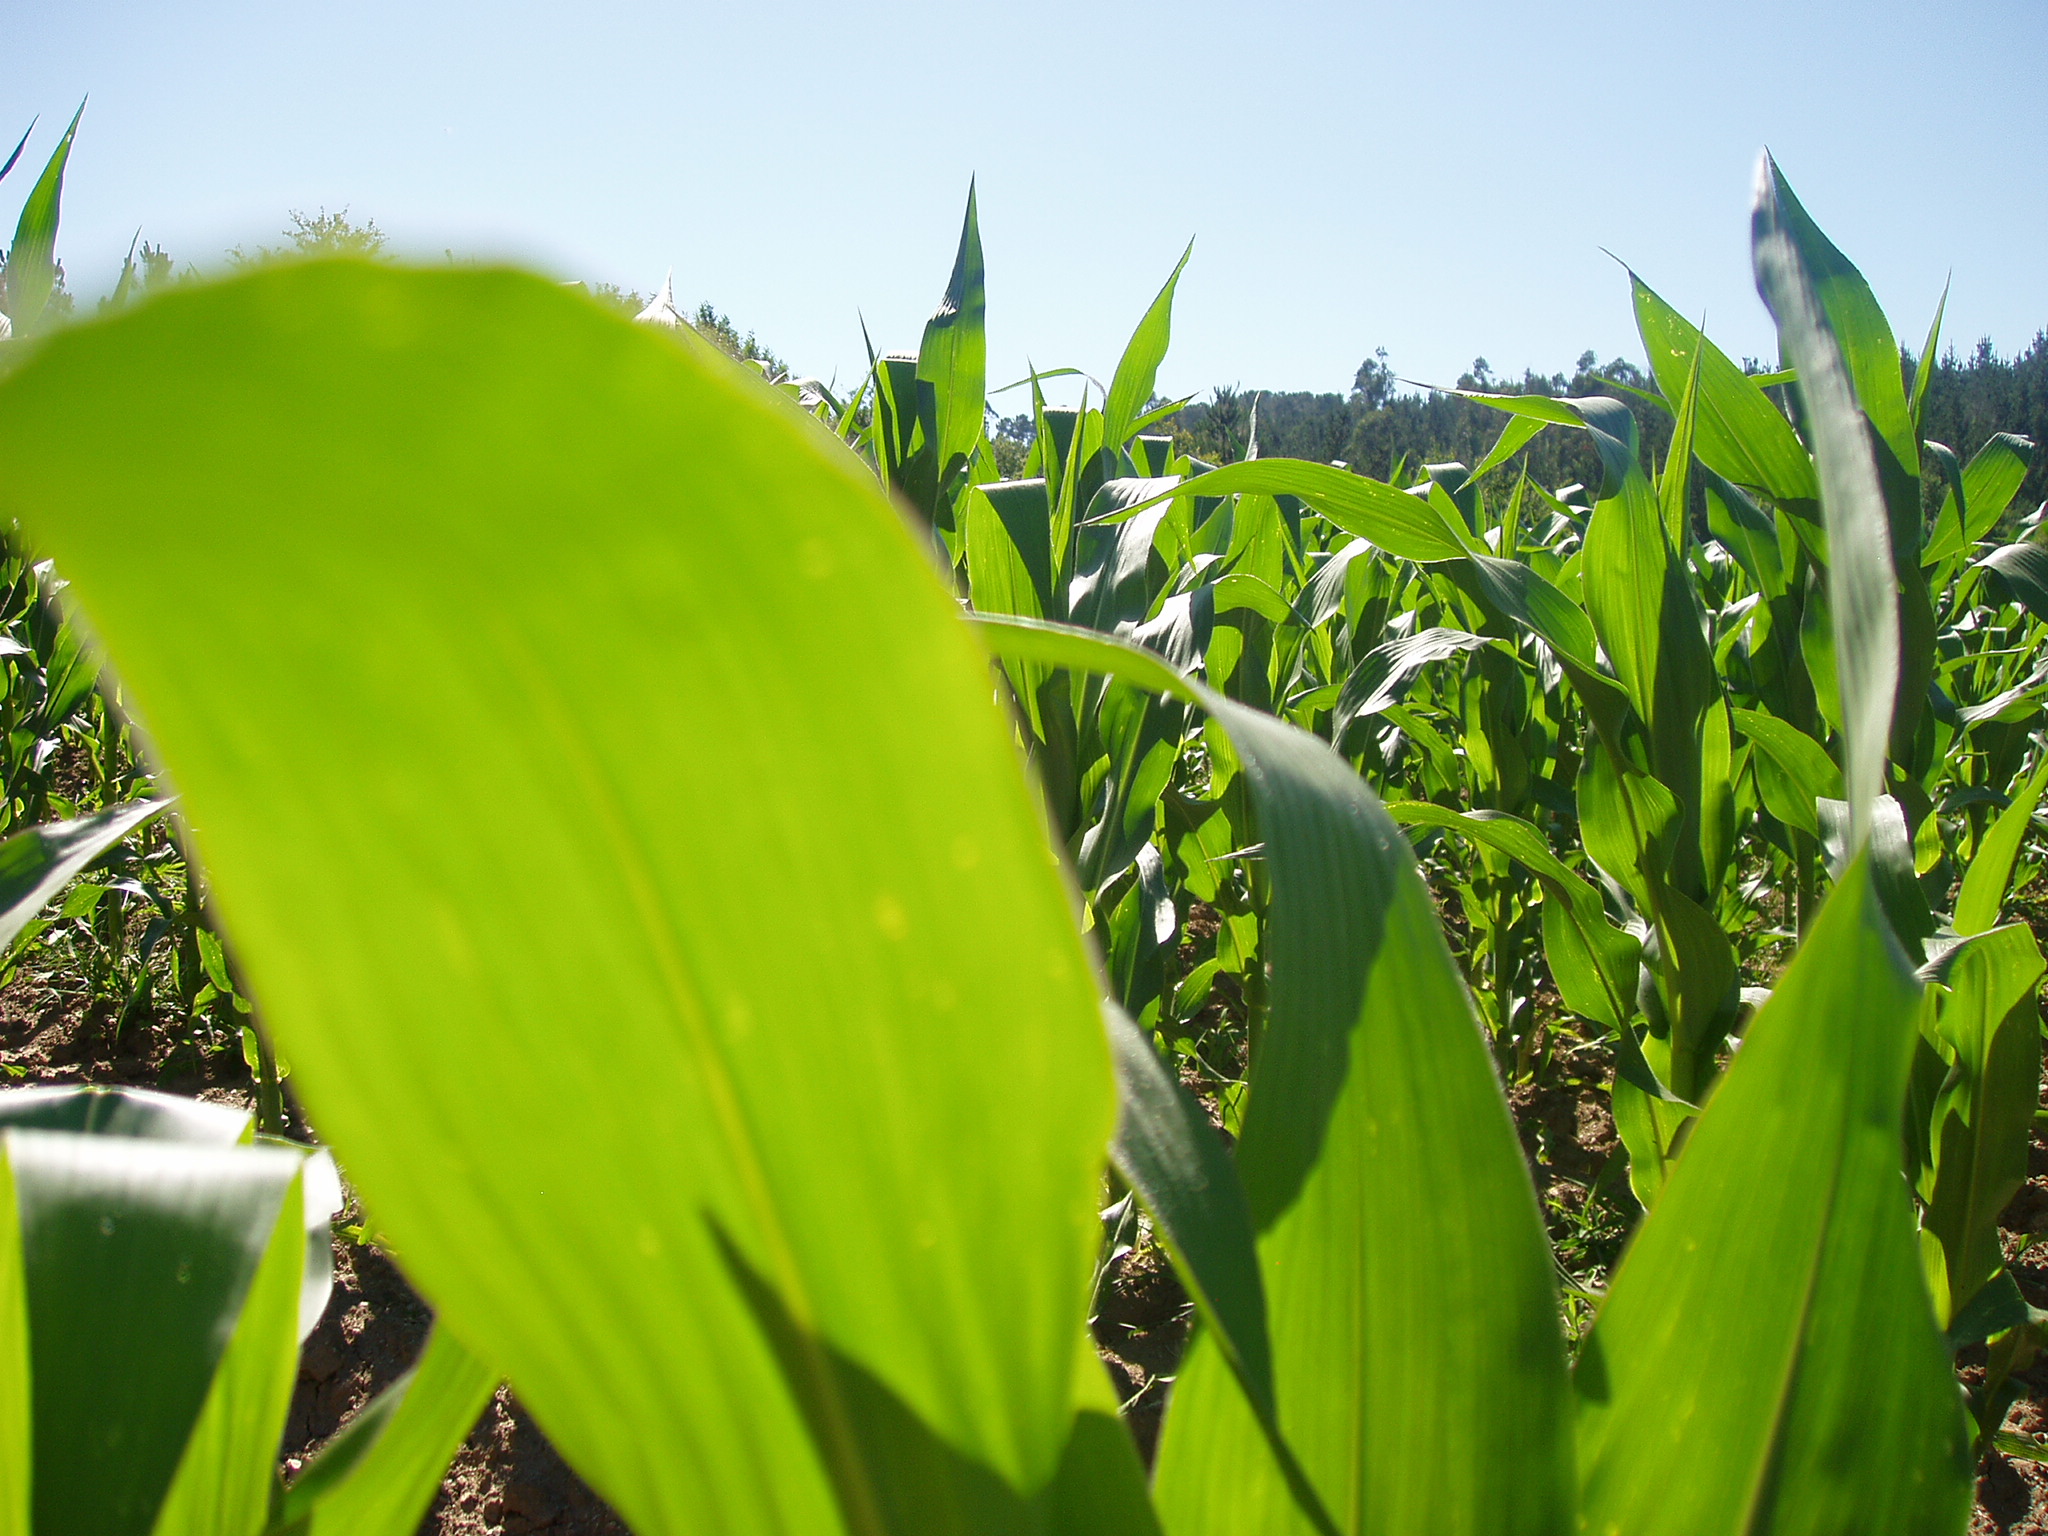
761 906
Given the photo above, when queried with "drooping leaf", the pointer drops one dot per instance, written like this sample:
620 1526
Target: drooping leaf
1799 762
1171 1155
1514 437
1533 602
1403 525
526 770
1383 673
1592 961
2023 569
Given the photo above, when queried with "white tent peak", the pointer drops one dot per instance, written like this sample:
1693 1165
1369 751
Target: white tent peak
661 309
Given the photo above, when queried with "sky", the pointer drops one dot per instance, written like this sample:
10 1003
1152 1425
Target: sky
1437 180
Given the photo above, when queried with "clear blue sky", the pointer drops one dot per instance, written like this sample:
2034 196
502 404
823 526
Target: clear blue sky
1435 179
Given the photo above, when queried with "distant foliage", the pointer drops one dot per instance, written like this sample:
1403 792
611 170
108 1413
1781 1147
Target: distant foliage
320 234
719 330
1379 430
1378 427
1969 399
714 327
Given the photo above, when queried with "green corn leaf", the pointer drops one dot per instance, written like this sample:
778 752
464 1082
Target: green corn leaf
1540 607
17 1409
1987 1026
2023 569
1009 569
137 1257
379 1474
1741 433
1137 371
1243 590
1674 486
1642 606
1746 531
1514 437
228 1472
32 260
1163 445
1923 372
1837 292
35 865
1993 477
1009 548
1412 1217
1817 651
1812 293
1802 762
1170 1154
1771 1305
1629 823
1718 773
1063 645
1989 482
15 158
952 360
1891 867
1113 555
1381 1166
531 777
1382 675
1593 962
1402 525
1982 896
1952 522
67 680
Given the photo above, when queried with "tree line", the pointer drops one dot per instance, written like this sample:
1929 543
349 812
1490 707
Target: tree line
1382 431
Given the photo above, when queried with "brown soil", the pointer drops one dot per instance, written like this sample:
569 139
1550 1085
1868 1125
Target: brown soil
1141 1324
506 1478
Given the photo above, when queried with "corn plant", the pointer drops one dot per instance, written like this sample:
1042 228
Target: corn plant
29 274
